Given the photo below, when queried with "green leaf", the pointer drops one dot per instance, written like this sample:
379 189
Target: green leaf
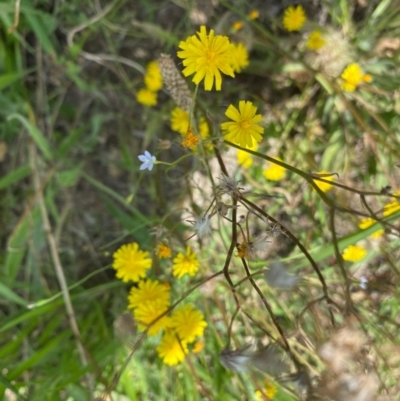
11 295
9 79
68 142
103 188
17 243
39 356
36 135
69 177
41 30
14 176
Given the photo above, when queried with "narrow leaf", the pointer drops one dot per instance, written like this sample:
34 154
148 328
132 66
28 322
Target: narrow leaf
36 135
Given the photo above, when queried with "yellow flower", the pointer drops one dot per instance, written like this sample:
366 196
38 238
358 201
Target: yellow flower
163 251
203 128
153 77
315 41
198 347
188 323
353 76
368 222
180 123
179 120
146 97
190 140
185 264
147 312
269 391
244 129
354 253
240 57
170 350
244 158
149 291
391 208
237 25
205 57
131 263
204 132
254 14
274 172
294 18
324 186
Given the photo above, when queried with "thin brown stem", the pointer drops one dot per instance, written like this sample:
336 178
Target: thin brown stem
302 248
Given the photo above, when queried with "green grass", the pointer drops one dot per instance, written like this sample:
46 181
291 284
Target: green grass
72 193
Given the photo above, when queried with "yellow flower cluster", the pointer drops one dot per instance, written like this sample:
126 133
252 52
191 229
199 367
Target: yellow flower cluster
153 81
315 41
206 56
244 129
131 263
150 300
324 186
163 251
240 57
187 324
209 55
180 123
368 222
237 25
269 391
244 158
185 264
390 208
254 14
294 18
353 76
354 253
274 172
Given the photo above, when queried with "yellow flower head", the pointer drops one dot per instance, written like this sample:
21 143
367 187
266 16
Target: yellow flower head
204 131
185 264
131 263
179 120
324 186
315 41
240 58
274 172
206 57
188 323
353 76
149 291
269 391
354 253
190 140
246 159
146 97
198 347
237 25
163 251
170 350
391 208
148 312
294 18
153 77
368 222
254 14
244 128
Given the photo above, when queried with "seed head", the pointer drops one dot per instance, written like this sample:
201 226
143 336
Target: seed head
174 82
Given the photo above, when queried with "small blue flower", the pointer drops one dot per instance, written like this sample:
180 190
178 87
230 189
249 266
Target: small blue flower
148 161
363 282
